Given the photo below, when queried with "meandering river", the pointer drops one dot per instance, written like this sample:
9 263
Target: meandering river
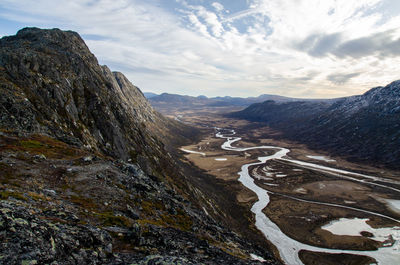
288 247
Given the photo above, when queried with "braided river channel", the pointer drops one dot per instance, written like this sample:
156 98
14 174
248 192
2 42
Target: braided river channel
288 247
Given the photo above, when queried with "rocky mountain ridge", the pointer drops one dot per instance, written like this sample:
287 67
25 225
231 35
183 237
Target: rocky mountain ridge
87 174
72 97
363 128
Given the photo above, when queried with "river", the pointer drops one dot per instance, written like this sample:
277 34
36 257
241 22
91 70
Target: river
288 247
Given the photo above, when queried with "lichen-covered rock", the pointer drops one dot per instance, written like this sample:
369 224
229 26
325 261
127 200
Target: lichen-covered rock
84 175
163 260
65 210
27 238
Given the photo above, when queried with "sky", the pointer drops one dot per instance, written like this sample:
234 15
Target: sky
297 48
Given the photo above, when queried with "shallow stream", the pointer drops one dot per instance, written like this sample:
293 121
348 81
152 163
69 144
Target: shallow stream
288 247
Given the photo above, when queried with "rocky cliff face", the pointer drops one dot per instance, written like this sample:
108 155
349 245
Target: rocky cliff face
364 128
85 177
53 84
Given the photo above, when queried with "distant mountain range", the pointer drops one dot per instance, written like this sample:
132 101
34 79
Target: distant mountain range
365 127
149 94
180 102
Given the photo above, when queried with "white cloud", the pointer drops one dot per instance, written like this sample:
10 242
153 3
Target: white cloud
218 6
211 20
198 25
298 48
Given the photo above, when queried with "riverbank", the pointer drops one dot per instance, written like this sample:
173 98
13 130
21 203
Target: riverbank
315 178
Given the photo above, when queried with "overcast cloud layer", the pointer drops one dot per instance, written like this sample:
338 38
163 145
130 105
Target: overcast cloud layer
300 48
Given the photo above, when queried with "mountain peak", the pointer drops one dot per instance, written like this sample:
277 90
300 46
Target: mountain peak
67 94
49 42
392 89
37 34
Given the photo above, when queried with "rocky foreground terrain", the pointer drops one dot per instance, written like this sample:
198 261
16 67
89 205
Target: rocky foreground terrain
364 128
87 169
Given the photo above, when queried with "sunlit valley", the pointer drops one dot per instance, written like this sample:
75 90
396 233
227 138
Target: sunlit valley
200 132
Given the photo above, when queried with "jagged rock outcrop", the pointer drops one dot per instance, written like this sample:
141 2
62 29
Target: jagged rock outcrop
85 172
53 84
364 128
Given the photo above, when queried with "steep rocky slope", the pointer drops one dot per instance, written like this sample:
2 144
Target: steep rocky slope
86 175
364 128
52 84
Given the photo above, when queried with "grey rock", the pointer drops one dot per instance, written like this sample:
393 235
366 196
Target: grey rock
103 210
132 213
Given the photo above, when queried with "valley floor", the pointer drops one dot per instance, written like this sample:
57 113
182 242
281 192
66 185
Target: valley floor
311 195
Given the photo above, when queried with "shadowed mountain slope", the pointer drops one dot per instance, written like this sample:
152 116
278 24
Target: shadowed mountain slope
364 128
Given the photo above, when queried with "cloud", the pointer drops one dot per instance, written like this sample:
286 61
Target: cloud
383 44
309 76
241 14
319 44
294 48
340 78
200 27
211 20
218 6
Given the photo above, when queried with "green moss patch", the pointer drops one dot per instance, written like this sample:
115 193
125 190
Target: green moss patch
157 215
109 219
40 145
31 144
84 202
5 173
4 195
